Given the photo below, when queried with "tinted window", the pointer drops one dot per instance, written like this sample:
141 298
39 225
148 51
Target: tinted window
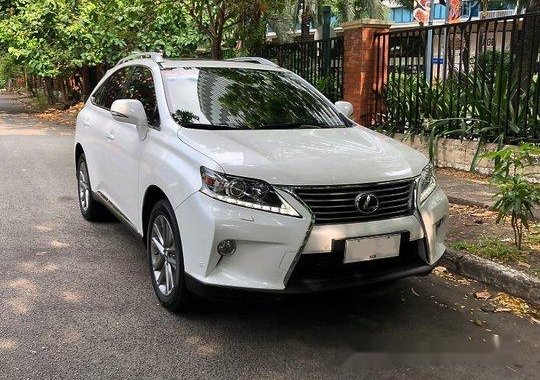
140 86
111 89
232 98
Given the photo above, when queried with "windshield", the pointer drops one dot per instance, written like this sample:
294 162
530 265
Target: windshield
232 98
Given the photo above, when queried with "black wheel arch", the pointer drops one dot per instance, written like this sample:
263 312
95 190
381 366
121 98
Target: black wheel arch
152 195
78 153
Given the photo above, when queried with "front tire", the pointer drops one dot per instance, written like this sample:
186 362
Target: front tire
165 258
91 209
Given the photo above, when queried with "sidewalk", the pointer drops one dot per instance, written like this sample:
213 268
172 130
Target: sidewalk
472 193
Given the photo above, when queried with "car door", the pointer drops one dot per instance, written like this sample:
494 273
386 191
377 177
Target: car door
97 123
127 146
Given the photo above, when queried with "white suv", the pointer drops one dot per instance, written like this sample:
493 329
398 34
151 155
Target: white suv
240 176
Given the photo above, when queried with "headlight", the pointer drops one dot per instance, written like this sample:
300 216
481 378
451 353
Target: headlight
426 183
245 192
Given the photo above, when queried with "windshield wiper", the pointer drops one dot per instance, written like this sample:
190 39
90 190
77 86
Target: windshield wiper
294 126
206 126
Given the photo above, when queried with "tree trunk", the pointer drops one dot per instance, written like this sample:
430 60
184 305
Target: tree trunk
65 92
304 21
216 48
30 85
304 27
49 91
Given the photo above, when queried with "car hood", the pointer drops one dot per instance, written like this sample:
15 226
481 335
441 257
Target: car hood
308 156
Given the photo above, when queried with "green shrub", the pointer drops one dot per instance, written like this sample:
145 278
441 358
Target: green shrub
487 103
516 197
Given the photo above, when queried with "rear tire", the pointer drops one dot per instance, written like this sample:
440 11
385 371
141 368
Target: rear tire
165 258
91 209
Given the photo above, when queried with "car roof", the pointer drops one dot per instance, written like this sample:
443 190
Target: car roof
184 63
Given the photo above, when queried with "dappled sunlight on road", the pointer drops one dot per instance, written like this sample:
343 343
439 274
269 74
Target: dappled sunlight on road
71 296
22 285
17 131
58 244
24 291
7 344
19 305
33 267
45 227
202 347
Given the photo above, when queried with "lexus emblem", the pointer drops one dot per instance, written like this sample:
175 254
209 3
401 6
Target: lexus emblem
367 203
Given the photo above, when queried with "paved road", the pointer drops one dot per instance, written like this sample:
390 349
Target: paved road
12 104
76 303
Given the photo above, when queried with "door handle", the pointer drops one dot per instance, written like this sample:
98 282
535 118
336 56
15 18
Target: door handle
109 136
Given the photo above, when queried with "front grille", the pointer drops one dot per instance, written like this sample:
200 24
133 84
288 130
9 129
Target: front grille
337 204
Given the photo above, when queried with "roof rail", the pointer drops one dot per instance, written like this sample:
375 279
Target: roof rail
154 56
259 60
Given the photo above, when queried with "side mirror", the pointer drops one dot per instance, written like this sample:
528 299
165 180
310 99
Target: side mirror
345 108
131 111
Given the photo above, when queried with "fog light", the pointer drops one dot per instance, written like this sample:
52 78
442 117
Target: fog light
226 247
439 223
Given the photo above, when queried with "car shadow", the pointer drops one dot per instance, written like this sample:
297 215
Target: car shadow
387 320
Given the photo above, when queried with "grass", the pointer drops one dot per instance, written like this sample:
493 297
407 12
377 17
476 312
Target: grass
490 248
506 251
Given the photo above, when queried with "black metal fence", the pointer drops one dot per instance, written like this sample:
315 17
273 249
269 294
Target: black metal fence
482 82
319 62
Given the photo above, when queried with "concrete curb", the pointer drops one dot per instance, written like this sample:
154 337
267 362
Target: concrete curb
500 276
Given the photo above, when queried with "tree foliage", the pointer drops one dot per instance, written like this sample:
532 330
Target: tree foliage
517 197
300 14
237 18
54 37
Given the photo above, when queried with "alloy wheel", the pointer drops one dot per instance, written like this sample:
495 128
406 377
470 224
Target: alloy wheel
163 254
84 187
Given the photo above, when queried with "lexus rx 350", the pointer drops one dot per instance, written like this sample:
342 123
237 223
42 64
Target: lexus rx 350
240 176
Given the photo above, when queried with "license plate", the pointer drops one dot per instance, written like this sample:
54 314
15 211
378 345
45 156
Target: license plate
371 248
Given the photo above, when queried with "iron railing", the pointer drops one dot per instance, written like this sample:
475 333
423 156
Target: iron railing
319 62
482 82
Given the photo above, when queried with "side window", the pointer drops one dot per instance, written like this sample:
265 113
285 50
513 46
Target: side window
111 89
141 87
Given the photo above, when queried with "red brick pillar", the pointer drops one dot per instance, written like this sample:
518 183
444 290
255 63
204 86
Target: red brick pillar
360 66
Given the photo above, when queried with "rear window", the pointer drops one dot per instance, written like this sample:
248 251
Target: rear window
232 98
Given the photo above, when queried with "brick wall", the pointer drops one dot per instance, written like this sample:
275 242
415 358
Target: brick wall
360 66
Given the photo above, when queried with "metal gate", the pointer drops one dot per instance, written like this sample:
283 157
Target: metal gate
481 82
319 62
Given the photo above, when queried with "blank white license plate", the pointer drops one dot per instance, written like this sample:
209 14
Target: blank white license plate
371 248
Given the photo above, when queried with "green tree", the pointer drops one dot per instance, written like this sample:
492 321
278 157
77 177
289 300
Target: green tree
349 10
517 197
214 18
52 39
238 18
294 13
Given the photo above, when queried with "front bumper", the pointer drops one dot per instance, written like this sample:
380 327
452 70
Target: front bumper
284 254
366 274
